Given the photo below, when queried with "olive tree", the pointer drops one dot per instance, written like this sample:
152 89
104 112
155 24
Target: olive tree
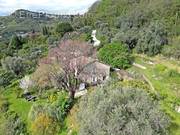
111 110
152 39
129 37
16 65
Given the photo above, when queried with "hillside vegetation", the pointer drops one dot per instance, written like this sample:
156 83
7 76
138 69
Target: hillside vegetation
41 60
146 25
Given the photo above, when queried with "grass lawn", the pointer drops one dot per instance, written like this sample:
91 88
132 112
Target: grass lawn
168 87
18 105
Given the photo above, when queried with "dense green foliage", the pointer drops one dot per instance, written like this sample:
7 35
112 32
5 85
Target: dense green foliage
115 54
152 39
136 13
45 30
47 119
21 59
63 27
116 111
3 104
6 77
144 24
13 125
15 65
173 50
15 43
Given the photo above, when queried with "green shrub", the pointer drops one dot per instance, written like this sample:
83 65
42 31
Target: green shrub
138 84
86 29
160 68
104 32
52 40
6 77
13 125
43 125
15 42
172 51
4 104
54 113
129 37
63 103
116 55
134 19
62 28
173 73
45 30
16 65
3 50
82 21
56 110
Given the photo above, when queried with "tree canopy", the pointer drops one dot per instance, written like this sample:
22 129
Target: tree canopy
152 39
115 54
63 27
115 111
15 42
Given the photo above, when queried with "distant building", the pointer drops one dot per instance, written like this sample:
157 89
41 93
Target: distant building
22 34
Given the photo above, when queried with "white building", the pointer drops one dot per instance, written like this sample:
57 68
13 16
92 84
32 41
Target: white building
95 40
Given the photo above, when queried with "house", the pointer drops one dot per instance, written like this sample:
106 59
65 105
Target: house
90 70
95 73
